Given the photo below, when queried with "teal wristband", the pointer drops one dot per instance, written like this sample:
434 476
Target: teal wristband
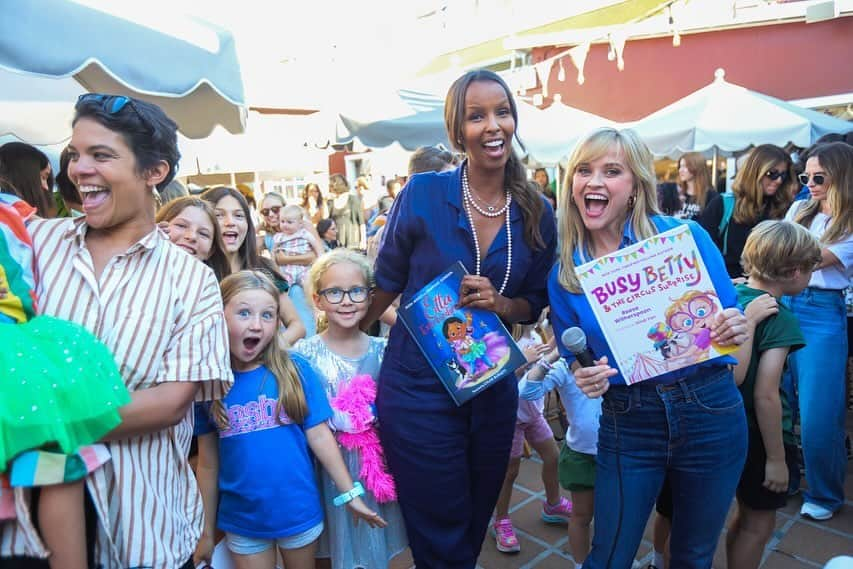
347 497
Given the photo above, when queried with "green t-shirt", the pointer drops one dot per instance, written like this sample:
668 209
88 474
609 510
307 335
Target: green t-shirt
778 331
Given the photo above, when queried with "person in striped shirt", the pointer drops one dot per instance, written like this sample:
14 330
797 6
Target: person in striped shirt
159 312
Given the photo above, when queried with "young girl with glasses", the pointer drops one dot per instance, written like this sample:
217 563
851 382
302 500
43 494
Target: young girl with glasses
255 467
349 360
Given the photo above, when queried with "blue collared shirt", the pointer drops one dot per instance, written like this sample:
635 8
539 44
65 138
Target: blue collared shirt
428 230
573 309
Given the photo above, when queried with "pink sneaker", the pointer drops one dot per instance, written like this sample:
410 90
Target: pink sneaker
505 536
559 513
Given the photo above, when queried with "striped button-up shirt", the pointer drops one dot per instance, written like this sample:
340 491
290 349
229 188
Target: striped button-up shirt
159 312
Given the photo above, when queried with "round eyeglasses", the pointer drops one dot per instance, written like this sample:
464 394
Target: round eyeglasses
335 295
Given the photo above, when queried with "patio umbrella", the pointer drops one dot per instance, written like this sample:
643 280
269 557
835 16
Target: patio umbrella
731 118
549 135
409 118
53 50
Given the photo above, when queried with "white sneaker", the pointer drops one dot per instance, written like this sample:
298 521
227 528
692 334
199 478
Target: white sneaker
815 512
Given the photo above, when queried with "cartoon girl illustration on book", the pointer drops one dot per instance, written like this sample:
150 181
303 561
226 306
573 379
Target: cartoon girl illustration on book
683 339
690 318
477 356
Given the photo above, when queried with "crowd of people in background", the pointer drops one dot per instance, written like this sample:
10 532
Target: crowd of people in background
254 338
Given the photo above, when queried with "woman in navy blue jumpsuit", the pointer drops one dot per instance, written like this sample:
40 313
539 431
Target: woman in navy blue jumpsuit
448 461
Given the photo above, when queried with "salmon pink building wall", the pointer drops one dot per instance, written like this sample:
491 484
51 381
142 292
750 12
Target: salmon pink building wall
788 61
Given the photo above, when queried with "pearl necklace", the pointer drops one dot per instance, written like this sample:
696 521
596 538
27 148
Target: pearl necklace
469 202
469 196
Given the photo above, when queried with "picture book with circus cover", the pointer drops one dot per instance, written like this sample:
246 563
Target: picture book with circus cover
469 348
655 303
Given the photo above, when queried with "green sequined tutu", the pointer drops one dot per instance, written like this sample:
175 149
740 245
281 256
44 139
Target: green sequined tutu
59 386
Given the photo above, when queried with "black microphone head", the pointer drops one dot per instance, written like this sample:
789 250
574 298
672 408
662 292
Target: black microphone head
574 339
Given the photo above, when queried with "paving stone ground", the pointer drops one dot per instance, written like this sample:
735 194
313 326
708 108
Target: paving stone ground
798 543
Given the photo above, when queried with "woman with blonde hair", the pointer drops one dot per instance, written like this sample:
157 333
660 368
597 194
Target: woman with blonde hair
763 189
694 185
819 368
687 424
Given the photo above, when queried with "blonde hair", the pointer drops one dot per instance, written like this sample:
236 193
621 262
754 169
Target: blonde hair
748 191
573 233
776 249
696 165
836 159
291 396
292 211
324 263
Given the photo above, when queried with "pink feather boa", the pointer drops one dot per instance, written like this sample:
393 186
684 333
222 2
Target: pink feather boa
355 398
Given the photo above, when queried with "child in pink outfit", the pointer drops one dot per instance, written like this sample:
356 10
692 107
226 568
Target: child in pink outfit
532 427
294 240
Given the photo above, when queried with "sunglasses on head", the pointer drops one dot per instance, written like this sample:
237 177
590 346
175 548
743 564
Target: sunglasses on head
267 210
774 175
113 104
818 179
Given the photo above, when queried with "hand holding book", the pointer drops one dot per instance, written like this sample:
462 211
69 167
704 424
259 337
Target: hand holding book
478 292
730 328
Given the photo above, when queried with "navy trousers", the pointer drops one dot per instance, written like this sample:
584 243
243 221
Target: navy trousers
448 462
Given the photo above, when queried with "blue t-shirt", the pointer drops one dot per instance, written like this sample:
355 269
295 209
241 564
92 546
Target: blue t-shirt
573 309
267 487
428 230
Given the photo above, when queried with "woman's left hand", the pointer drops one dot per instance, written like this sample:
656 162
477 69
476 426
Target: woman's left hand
730 328
478 292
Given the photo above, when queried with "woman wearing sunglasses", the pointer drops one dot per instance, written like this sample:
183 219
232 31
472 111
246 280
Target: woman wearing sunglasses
819 368
271 206
763 189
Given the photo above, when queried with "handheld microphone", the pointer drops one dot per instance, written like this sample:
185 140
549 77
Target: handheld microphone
575 340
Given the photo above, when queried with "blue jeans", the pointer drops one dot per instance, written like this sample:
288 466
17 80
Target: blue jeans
694 431
819 371
306 313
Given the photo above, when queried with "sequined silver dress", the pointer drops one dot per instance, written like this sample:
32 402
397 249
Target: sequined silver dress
352 546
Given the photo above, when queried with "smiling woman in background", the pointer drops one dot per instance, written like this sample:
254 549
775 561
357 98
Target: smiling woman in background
192 226
240 247
763 189
818 368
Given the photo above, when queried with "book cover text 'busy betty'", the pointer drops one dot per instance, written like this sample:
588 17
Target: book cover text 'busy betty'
655 303
468 348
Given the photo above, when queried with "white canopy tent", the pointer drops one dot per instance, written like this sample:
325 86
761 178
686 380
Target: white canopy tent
51 51
292 144
729 118
549 135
